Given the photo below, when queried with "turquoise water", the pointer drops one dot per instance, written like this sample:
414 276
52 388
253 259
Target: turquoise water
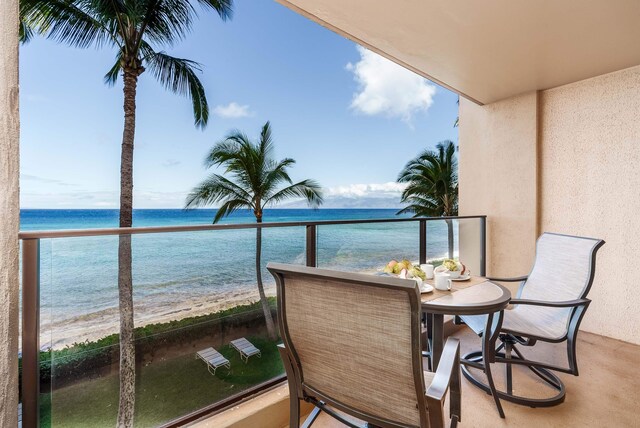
183 274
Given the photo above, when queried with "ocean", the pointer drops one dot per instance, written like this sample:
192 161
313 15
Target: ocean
176 275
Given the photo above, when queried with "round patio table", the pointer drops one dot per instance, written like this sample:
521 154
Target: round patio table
477 296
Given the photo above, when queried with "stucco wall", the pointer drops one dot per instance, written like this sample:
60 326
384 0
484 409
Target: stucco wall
590 181
498 175
564 160
9 212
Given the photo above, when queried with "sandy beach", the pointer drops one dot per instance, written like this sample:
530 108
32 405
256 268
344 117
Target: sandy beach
59 333
155 309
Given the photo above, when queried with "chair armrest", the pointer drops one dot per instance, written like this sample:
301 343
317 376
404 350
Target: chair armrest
514 279
449 362
565 304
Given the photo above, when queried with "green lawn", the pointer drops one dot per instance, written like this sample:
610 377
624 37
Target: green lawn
164 389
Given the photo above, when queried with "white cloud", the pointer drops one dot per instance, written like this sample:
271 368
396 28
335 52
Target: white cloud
373 195
86 199
373 190
232 110
169 163
385 87
44 180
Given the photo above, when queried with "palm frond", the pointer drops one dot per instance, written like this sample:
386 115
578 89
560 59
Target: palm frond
25 32
214 189
228 208
275 174
432 182
266 141
167 21
179 76
237 154
163 21
111 77
223 7
227 150
72 22
310 190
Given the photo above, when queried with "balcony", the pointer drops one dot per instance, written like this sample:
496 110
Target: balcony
194 287
603 395
548 142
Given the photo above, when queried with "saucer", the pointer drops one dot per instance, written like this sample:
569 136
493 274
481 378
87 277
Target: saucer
462 278
426 288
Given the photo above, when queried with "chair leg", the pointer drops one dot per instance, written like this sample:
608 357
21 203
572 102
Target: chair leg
509 374
511 353
454 422
455 392
494 323
494 391
294 411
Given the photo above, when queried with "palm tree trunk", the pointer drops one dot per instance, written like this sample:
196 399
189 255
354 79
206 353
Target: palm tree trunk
126 406
271 329
450 236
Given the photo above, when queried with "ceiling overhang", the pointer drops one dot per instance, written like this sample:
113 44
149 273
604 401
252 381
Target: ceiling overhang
493 49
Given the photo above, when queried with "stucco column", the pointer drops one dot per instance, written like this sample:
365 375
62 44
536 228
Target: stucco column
499 177
9 212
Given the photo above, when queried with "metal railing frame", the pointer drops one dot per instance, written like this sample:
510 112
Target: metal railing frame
31 289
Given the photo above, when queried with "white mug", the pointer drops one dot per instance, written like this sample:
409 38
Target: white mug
443 281
428 270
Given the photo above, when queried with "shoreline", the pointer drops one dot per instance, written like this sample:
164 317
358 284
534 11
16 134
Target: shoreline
91 327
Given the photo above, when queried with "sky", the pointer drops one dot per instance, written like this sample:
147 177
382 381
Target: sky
350 118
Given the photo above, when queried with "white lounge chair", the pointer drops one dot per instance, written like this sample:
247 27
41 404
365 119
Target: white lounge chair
214 359
245 348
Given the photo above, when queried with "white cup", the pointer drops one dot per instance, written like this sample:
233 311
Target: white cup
443 281
428 270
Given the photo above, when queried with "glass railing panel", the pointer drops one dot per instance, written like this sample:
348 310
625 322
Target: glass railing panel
191 291
442 240
460 239
83 301
282 245
367 247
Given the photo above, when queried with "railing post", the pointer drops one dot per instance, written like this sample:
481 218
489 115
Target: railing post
423 241
30 333
312 259
483 246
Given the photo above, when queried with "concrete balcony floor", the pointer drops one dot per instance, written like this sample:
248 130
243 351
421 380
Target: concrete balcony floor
605 394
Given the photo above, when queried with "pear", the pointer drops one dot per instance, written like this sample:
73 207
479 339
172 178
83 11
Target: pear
398 267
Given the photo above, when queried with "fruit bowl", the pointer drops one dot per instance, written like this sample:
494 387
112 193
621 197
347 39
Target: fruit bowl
453 267
405 269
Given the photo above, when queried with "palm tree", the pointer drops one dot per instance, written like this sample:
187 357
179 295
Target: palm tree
254 181
135 29
432 189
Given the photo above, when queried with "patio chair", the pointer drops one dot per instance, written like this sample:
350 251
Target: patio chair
213 359
549 307
352 347
246 349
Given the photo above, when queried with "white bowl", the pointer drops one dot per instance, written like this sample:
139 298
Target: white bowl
454 274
